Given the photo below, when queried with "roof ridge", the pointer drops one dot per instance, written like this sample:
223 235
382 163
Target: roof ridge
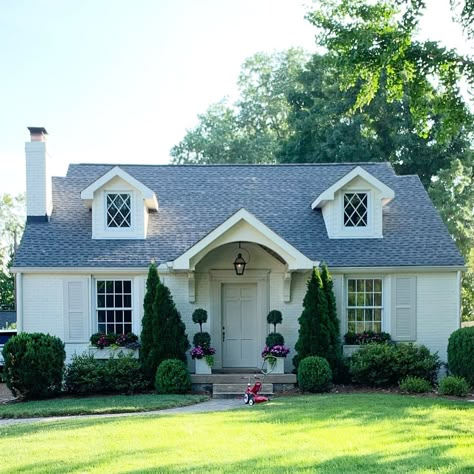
222 165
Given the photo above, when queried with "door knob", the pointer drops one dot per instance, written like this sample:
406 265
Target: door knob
223 333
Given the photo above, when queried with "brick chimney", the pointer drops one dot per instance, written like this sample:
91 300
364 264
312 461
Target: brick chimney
39 202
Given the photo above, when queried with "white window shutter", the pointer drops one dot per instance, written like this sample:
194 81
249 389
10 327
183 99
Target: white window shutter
76 310
404 308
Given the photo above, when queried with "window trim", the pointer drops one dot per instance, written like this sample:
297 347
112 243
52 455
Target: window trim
130 228
114 308
382 306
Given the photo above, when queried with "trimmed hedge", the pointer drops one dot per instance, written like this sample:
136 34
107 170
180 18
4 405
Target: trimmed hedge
86 375
34 365
413 384
461 353
314 374
172 376
387 364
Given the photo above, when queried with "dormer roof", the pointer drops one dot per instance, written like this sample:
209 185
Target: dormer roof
387 193
149 197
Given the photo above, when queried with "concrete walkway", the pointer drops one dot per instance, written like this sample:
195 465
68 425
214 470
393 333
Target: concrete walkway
204 407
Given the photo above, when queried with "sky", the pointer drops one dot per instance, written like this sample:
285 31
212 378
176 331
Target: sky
116 81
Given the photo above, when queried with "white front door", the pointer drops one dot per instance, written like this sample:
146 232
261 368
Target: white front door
239 321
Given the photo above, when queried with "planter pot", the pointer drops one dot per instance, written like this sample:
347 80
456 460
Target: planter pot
349 349
202 367
278 368
109 352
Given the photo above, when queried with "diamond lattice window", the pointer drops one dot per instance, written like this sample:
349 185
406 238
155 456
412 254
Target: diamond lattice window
355 210
118 210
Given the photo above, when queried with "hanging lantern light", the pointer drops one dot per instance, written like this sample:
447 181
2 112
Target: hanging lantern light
239 264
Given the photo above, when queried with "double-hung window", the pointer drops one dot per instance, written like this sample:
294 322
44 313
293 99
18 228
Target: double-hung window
114 306
364 304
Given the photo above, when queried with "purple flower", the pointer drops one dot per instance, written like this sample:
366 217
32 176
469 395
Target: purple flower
276 351
199 352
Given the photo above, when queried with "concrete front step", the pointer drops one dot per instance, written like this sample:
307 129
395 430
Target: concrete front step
224 390
242 378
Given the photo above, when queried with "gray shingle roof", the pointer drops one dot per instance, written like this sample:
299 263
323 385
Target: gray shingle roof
196 199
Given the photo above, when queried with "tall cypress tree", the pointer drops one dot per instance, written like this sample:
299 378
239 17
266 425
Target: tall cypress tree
313 335
148 322
335 355
170 340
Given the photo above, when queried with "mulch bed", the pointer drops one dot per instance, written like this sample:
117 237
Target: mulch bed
5 394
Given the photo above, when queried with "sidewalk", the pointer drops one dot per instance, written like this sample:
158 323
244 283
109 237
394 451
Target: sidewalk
209 406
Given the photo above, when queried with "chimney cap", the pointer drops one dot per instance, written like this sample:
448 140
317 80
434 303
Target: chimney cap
37 130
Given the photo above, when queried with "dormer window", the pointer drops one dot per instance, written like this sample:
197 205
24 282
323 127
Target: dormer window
119 210
355 209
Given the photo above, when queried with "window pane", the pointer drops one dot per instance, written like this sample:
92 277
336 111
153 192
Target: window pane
377 299
351 285
351 327
369 315
360 314
360 285
127 316
127 328
127 286
377 327
118 301
127 301
369 299
110 301
101 328
109 286
360 327
110 316
377 314
351 315
378 285
101 301
351 299
101 286
360 299
369 285
119 329
101 316
118 286
119 316
110 328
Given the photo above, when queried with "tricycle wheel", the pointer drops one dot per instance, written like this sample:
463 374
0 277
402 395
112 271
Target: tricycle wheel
251 401
246 398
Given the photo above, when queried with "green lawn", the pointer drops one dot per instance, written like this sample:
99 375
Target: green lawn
321 433
96 405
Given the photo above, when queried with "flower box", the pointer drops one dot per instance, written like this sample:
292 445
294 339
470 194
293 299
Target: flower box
202 367
109 352
278 368
349 349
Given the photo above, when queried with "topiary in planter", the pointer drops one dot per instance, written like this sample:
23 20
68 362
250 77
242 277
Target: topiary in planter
199 317
172 376
202 339
274 339
314 374
34 365
274 317
461 353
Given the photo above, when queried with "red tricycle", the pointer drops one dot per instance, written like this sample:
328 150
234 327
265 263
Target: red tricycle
252 394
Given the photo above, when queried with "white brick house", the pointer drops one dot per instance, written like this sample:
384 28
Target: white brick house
82 264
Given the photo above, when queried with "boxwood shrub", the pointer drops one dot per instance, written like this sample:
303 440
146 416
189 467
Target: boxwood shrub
461 353
172 376
86 375
34 365
453 385
387 364
314 374
413 384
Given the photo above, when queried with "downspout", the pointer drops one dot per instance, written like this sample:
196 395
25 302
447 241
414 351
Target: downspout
19 302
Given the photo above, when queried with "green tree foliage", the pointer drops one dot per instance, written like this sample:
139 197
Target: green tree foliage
11 228
163 333
169 334
149 322
334 356
248 131
314 338
374 45
460 353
